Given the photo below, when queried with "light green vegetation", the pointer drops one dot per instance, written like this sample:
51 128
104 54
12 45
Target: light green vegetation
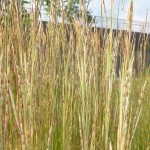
61 92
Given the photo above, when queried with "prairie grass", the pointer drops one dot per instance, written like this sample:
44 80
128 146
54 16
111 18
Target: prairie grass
59 88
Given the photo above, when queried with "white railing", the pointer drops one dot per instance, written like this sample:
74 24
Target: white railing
121 24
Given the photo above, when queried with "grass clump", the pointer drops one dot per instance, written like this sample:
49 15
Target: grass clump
59 88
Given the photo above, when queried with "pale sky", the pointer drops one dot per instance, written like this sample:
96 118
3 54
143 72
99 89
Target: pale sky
140 8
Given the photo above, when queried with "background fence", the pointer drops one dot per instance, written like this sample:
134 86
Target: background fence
121 24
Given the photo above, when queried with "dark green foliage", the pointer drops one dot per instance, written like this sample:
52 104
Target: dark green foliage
71 8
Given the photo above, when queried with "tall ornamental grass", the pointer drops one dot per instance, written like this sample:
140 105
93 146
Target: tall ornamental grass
59 88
